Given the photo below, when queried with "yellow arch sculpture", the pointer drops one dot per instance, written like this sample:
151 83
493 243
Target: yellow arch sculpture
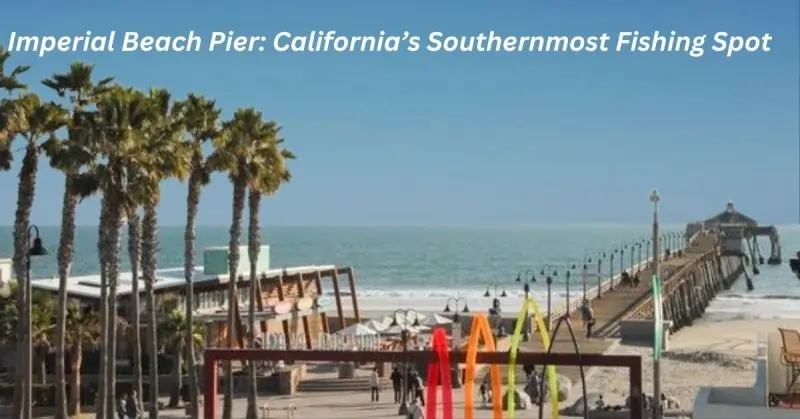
481 329
544 334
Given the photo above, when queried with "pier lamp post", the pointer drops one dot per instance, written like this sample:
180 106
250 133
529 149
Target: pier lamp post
633 262
36 248
639 258
611 267
622 258
458 303
549 274
600 258
405 336
654 198
495 286
522 275
526 333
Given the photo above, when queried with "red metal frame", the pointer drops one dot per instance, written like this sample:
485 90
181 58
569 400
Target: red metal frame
213 355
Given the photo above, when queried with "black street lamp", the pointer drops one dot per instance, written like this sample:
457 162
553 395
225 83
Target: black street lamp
526 334
600 258
496 286
36 249
457 304
522 275
405 336
639 264
549 275
611 267
622 258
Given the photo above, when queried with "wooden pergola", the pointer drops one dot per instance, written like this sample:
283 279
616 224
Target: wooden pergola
278 282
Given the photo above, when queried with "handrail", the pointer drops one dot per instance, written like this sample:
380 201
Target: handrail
593 292
670 286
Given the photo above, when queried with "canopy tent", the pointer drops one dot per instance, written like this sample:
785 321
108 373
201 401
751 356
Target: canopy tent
375 325
357 329
398 329
435 320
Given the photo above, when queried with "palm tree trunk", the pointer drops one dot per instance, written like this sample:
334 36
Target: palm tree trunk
101 404
149 265
115 250
135 252
239 193
66 252
192 204
74 405
177 379
253 249
25 194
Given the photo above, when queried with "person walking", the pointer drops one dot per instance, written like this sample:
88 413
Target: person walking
587 315
397 384
374 385
121 412
132 407
419 390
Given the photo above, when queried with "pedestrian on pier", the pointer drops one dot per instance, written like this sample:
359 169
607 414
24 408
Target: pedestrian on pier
587 316
374 386
397 384
484 390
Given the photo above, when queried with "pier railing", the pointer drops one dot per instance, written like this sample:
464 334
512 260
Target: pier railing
594 292
644 308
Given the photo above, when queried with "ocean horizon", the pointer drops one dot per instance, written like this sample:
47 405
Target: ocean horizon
421 267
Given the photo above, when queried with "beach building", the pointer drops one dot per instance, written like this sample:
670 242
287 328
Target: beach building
289 303
740 235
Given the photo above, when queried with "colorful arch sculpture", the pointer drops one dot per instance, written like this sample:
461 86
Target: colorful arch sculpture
481 329
550 371
437 370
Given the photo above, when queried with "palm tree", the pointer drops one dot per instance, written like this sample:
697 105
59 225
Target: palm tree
232 150
267 171
84 330
33 121
163 156
69 157
116 132
201 117
175 331
10 83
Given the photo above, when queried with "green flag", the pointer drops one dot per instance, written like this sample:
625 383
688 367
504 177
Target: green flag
658 318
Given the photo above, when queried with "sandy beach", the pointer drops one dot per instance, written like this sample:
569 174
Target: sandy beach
708 353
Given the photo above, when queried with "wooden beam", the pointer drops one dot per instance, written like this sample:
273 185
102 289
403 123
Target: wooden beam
632 362
351 280
284 323
322 316
338 298
301 292
260 302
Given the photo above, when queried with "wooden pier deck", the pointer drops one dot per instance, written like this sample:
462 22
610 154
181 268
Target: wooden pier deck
609 310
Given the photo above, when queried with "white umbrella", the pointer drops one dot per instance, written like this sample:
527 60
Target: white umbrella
357 329
398 329
436 320
375 325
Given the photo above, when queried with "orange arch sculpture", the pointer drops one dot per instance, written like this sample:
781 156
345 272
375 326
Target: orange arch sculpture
481 329
437 370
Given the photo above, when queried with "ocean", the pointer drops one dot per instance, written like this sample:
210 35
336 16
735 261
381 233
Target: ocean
421 267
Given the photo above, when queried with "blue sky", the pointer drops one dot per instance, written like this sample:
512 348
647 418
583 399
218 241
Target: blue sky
470 138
